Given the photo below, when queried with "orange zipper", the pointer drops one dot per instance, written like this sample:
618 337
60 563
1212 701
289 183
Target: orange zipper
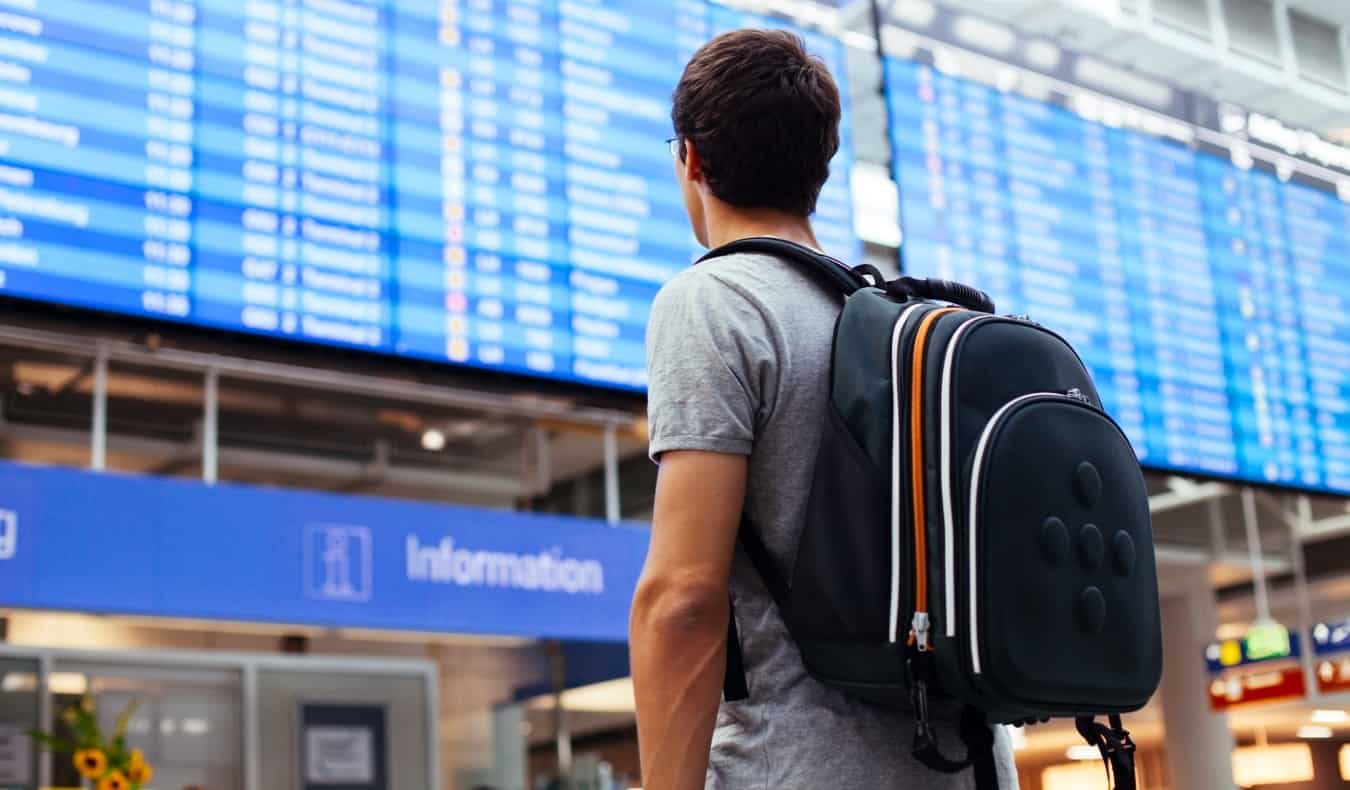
916 465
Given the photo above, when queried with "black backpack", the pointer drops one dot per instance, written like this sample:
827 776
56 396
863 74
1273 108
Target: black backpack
977 529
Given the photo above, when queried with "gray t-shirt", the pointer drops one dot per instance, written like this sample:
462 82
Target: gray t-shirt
738 350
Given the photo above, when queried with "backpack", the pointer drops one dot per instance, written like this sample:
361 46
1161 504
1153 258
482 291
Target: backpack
977 530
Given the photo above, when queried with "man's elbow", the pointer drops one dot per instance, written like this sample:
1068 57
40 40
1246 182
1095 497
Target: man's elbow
682 607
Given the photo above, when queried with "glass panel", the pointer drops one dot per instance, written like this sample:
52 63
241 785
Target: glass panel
300 710
188 722
18 714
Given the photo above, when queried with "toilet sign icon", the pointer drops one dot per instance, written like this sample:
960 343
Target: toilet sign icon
9 534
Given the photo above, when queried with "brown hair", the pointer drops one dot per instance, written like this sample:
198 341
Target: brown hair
763 115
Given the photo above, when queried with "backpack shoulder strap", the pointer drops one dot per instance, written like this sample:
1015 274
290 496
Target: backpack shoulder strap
735 686
834 273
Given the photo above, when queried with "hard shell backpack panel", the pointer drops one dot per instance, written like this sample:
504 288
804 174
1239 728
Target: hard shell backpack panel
978 528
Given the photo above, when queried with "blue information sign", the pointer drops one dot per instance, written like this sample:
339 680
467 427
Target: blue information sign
75 540
1231 653
1331 637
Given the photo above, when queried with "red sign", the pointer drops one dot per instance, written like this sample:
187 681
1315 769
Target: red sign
1333 675
1246 688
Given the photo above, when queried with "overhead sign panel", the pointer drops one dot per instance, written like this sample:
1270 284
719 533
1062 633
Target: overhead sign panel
150 546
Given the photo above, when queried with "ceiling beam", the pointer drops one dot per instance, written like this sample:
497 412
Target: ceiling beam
1187 495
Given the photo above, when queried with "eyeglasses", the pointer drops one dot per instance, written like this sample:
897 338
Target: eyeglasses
676 147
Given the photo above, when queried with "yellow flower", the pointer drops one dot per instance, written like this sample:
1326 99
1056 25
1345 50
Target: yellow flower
91 763
114 781
137 758
140 772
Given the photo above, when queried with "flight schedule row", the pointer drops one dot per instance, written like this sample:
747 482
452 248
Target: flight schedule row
477 181
1206 296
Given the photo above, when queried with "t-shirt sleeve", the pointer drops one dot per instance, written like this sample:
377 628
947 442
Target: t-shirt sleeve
709 361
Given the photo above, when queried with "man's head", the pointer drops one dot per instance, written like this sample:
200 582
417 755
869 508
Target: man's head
757 123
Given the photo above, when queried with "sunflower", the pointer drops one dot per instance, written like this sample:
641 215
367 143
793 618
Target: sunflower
91 763
114 781
140 772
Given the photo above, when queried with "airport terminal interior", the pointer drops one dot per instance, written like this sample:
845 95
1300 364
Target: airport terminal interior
315 315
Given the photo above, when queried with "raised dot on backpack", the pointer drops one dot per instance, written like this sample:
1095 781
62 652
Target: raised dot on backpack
1054 540
1087 481
1123 554
1091 547
1092 610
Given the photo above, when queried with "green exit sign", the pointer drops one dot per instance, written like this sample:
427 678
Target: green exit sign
1267 640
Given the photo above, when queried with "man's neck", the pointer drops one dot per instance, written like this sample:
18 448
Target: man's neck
727 224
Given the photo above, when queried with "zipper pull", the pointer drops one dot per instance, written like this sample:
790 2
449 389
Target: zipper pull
1078 395
919 631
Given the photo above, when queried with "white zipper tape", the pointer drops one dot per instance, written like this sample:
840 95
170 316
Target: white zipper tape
895 474
948 485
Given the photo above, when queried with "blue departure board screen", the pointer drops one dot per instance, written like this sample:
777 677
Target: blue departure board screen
1207 293
481 182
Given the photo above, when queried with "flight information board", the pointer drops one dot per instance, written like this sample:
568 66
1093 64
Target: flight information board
481 182
1207 291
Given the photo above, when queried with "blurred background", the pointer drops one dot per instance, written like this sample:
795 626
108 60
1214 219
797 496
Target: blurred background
321 362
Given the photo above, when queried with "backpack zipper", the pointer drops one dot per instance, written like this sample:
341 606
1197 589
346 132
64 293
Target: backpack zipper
896 338
944 470
919 627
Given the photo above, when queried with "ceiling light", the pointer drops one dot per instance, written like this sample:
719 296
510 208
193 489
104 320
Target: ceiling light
1314 732
918 13
433 440
1330 717
1082 751
68 683
16 682
982 33
1283 763
609 696
196 726
1073 776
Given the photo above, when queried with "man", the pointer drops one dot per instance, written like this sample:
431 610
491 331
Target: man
739 355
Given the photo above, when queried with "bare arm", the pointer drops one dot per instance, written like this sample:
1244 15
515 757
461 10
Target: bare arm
679 623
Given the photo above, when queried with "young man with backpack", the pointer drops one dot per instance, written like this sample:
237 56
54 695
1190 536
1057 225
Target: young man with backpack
739 351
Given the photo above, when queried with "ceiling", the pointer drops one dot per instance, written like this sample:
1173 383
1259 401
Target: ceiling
1334 11
1186 59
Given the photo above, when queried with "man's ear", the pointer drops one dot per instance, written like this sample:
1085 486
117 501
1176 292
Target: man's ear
693 164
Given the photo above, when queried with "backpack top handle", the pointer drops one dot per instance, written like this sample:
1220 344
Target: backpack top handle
944 291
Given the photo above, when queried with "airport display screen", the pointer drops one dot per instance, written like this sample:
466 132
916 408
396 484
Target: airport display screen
1208 290
480 182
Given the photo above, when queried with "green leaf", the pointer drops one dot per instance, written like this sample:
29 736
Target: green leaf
51 742
83 725
120 731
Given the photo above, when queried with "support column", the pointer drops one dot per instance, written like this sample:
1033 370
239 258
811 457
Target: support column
612 511
562 732
211 427
98 433
1198 741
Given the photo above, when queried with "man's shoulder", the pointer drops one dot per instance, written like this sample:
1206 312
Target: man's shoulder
733 278
759 279
729 269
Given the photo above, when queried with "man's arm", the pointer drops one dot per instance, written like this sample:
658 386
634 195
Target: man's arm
678 631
